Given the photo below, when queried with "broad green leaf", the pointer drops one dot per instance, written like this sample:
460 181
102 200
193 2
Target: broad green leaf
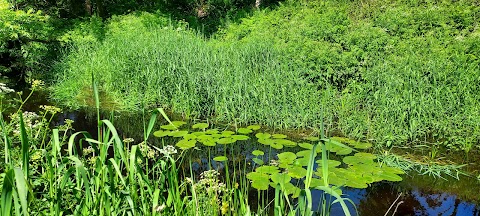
186 144
244 131
263 135
161 133
179 133
220 158
279 136
254 127
200 126
258 153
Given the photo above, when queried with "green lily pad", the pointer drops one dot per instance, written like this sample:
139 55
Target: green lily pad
280 178
263 135
276 145
208 142
260 181
279 136
260 185
330 163
291 189
186 144
179 133
240 137
266 141
297 172
285 142
178 123
304 153
212 131
244 131
220 158
267 169
313 139
306 145
227 133
302 161
227 140
200 126
345 151
189 136
258 153
356 183
362 145
287 156
168 127
161 133
254 127
258 161
365 155
198 133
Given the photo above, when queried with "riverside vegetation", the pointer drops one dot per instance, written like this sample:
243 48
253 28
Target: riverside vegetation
385 74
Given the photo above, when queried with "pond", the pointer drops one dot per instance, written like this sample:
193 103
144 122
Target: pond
415 195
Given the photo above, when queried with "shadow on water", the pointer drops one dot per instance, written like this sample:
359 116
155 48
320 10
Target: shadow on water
417 195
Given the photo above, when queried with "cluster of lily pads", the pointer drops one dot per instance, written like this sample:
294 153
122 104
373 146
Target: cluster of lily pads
357 171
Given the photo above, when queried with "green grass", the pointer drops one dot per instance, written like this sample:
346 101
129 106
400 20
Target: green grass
391 72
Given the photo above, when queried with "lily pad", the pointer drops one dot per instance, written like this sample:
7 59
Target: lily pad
276 145
169 127
258 161
267 169
186 144
220 158
280 178
227 133
189 136
161 133
287 156
266 141
208 142
240 137
227 140
306 145
179 133
254 127
263 135
330 163
212 131
279 136
198 133
258 153
362 145
285 142
244 131
313 139
200 126
297 172
178 123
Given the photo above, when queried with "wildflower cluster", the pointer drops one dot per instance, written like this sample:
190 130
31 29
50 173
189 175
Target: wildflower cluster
31 120
50 109
211 192
168 150
4 89
147 151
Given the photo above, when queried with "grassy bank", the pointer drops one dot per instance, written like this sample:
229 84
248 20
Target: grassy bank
391 72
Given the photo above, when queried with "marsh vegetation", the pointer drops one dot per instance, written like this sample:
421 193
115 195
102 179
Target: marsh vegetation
237 107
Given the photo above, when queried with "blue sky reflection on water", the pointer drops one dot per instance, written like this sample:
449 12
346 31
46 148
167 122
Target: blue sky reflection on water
376 201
